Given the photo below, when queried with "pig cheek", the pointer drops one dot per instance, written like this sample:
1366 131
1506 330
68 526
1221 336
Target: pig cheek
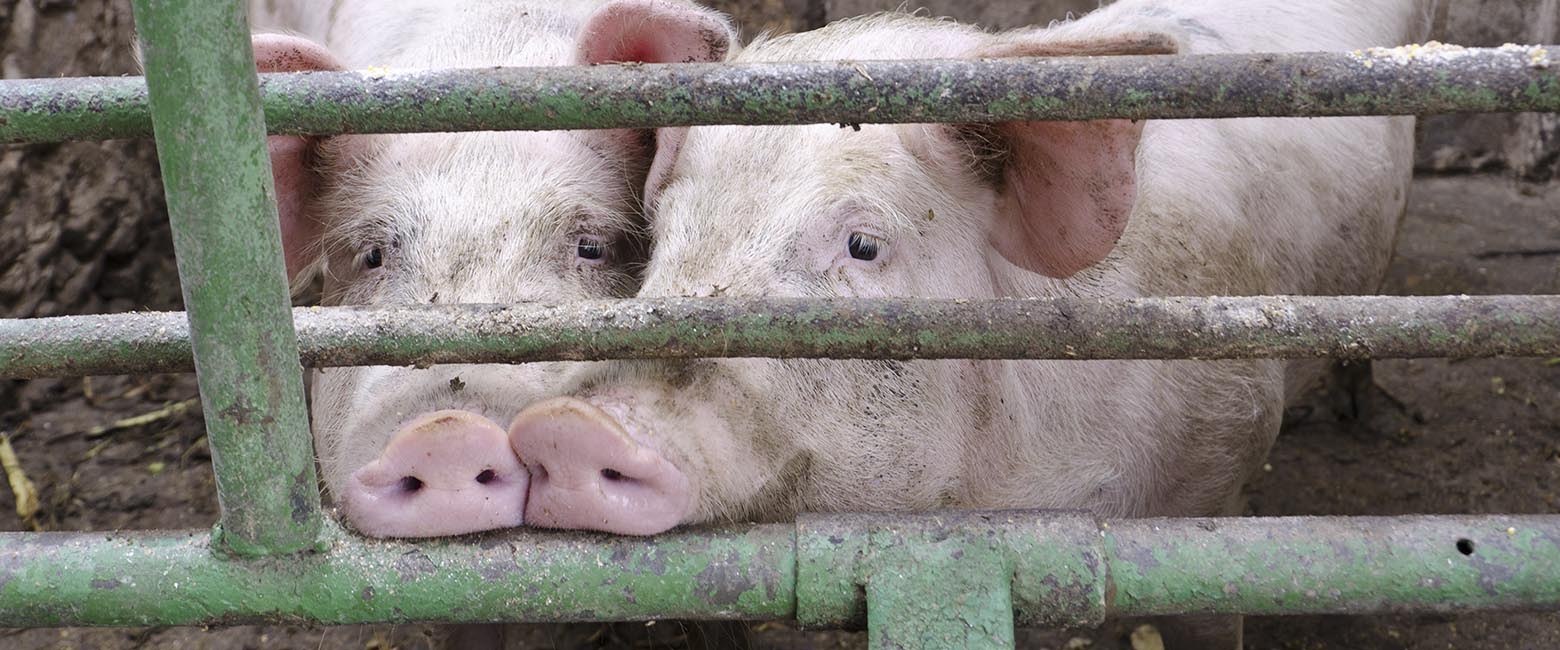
341 444
756 460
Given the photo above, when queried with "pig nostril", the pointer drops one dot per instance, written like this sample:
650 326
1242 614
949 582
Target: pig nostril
487 476
613 475
410 484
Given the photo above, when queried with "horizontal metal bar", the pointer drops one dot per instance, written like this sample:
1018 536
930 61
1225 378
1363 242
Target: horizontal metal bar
1076 571
1319 565
1065 569
1372 327
1409 80
115 579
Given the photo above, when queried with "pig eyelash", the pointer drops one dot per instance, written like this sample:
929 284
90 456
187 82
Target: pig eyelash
376 255
864 247
592 250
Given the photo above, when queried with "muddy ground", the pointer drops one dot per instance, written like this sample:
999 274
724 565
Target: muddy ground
1436 436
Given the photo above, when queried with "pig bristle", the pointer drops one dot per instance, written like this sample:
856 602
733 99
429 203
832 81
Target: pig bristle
483 217
1218 207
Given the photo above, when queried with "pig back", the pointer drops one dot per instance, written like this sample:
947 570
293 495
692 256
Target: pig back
1273 205
1267 205
1247 206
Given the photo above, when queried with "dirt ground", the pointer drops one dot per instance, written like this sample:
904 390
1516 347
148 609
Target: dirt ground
1433 436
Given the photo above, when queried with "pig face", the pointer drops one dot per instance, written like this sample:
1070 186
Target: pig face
463 218
458 218
928 211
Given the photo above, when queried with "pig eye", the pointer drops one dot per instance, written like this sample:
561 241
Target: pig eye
374 259
590 248
864 247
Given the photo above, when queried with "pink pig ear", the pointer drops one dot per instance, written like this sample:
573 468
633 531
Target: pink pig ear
656 31
1067 188
292 157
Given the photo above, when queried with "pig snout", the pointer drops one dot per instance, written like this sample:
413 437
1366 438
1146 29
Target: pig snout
444 473
563 463
588 472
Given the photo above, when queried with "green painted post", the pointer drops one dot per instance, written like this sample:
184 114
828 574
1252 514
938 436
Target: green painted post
957 595
942 580
205 101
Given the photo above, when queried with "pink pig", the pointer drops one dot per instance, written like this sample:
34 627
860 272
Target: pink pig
457 218
1107 209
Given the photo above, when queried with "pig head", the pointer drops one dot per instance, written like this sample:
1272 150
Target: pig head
457 218
1106 209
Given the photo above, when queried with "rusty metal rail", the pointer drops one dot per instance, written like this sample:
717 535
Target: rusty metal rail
1372 327
1419 80
1029 568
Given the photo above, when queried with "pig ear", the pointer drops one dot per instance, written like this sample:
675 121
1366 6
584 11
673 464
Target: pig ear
1066 188
292 157
668 143
655 31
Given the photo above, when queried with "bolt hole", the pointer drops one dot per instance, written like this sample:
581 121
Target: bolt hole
613 475
1465 546
410 484
487 476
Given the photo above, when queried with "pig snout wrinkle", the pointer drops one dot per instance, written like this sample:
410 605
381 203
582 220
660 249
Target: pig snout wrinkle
444 473
588 473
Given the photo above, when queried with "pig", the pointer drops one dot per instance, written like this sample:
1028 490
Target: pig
1096 209
456 218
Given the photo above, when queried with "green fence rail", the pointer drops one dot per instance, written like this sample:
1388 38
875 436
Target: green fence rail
952 579
1367 327
228 243
1029 568
1399 81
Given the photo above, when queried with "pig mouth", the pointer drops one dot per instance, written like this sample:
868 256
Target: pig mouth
563 463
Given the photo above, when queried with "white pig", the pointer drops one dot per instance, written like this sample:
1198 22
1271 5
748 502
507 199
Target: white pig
456 218
1107 209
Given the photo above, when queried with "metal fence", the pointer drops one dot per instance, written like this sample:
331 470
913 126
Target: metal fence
956 579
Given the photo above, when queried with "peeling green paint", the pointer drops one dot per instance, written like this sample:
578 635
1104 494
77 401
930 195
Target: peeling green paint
173 579
1334 565
849 92
1064 328
222 207
960 579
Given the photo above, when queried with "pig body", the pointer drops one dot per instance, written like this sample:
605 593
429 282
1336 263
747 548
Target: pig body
456 218
1106 209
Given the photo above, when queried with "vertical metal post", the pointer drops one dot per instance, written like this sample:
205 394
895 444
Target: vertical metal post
942 580
205 101
954 596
